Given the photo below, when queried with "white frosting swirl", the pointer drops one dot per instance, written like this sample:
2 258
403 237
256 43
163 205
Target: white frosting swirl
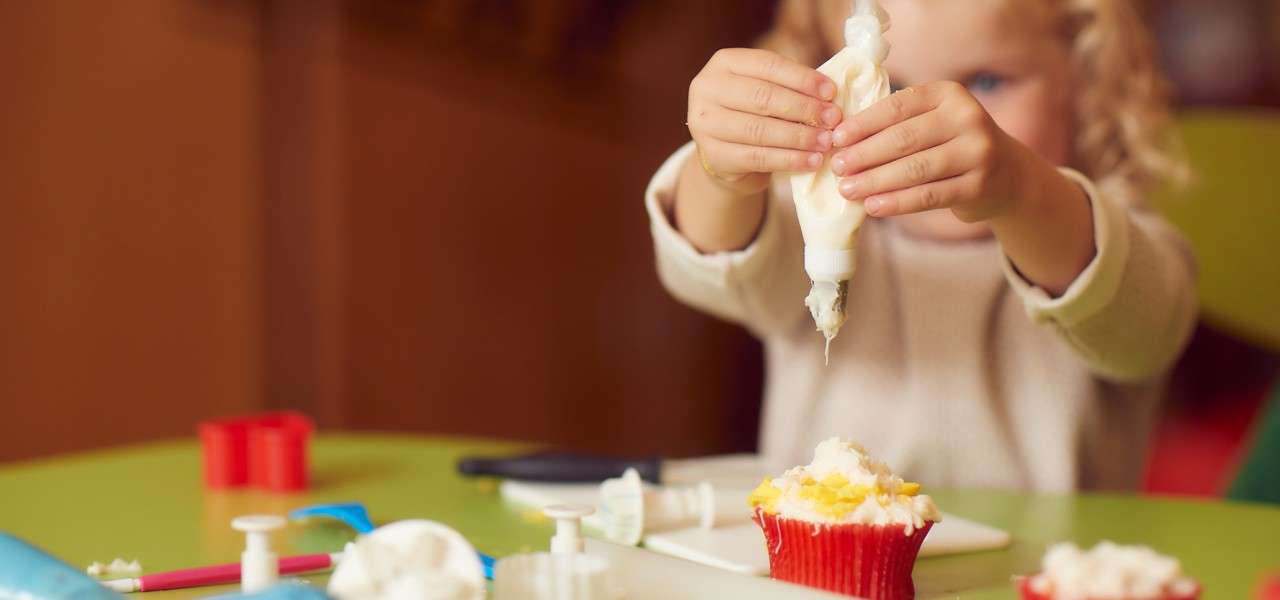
864 30
1110 570
891 501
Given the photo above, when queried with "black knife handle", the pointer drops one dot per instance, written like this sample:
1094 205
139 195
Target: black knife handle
559 467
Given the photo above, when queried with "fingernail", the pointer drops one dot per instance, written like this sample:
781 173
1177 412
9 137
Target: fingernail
815 160
827 90
824 140
831 116
849 187
873 206
840 137
838 165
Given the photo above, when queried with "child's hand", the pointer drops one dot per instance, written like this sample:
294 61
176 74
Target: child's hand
753 112
926 148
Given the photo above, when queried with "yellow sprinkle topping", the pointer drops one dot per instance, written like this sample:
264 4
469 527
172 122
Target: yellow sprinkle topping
765 495
833 497
835 480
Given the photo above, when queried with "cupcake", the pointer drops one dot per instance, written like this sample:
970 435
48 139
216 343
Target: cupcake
844 523
1108 572
1269 588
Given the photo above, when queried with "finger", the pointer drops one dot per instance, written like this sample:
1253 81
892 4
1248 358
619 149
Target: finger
930 196
754 130
920 168
897 141
770 99
898 107
729 157
773 67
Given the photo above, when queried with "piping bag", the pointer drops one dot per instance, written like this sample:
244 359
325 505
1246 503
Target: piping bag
829 222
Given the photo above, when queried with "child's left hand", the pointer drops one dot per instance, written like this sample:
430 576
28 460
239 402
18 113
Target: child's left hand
929 147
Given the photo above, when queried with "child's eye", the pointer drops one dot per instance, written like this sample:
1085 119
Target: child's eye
983 83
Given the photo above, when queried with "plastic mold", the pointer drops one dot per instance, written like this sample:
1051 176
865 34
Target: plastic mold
268 451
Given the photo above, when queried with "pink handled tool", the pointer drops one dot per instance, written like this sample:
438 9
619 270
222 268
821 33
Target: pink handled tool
217 574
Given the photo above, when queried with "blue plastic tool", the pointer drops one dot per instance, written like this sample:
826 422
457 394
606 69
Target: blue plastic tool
29 573
351 513
283 591
355 515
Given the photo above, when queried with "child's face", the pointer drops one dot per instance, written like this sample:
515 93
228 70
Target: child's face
1015 64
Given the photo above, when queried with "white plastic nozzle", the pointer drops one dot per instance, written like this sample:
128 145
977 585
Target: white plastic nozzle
677 507
830 265
563 574
259 566
543 576
629 511
568 517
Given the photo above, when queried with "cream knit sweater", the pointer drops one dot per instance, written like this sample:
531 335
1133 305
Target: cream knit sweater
952 367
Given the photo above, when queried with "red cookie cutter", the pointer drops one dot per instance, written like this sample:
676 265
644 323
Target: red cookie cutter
267 451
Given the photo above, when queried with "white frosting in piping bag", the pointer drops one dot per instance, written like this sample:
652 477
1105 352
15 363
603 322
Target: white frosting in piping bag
828 221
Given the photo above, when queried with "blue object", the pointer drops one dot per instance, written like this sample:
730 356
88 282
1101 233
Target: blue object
29 573
351 513
283 591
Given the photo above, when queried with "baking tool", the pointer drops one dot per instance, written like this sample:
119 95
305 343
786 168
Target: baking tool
563 574
646 575
729 500
267 450
283 591
217 574
30 573
829 222
353 514
568 518
741 548
733 469
735 543
627 510
259 566
561 467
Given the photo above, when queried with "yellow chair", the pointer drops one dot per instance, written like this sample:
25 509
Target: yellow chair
1231 215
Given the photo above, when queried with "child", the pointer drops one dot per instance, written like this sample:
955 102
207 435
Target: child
1016 307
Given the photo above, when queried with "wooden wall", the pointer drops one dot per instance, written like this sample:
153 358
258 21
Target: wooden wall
420 216
499 265
130 216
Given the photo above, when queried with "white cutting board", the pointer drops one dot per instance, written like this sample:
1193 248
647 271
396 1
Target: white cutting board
741 547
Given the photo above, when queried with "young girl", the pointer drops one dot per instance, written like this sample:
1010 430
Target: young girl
1015 307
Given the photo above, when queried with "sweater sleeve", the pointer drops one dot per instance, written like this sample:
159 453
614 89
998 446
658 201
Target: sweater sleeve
1131 311
761 287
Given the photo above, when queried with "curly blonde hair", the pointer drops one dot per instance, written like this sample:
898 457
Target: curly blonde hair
1125 141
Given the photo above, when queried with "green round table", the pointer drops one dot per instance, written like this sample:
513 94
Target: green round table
148 502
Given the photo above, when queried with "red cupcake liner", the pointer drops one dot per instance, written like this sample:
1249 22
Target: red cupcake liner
870 561
1024 587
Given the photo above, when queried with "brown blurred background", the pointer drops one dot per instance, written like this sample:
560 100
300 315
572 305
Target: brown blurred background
418 215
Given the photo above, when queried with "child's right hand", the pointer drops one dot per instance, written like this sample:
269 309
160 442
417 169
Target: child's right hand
754 112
